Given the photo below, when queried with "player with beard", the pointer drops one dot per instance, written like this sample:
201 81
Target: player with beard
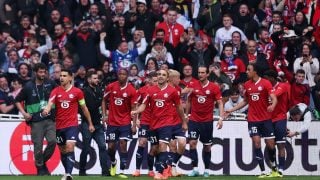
200 105
164 102
67 99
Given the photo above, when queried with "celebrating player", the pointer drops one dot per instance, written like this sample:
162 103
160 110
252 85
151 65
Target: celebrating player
66 99
201 101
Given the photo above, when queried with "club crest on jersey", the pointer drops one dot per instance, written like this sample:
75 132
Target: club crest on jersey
165 95
125 95
197 90
260 88
207 91
59 95
201 99
71 96
114 92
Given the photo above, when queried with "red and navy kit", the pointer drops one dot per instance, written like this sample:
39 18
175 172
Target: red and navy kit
66 102
257 94
146 115
202 101
233 74
163 104
282 91
189 83
121 100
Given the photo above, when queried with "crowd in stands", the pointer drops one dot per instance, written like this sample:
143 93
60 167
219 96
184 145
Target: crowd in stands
146 35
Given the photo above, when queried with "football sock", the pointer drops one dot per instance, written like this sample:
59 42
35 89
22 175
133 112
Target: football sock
150 162
139 157
112 155
281 162
206 156
272 156
162 162
170 158
123 160
259 158
177 157
194 157
70 160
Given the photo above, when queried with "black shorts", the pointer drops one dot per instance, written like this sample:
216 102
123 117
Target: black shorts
69 134
203 130
263 129
114 133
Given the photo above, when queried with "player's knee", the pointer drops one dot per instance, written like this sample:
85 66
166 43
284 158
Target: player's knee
193 144
143 142
207 148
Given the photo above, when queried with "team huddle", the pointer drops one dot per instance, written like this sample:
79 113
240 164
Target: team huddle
157 112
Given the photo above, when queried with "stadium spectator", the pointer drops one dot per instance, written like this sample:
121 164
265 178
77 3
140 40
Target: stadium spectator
151 66
300 90
299 112
161 54
234 100
24 72
109 75
133 77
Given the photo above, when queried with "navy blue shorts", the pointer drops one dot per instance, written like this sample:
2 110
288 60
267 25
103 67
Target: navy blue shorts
143 131
167 133
114 133
153 137
202 129
280 131
67 134
263 129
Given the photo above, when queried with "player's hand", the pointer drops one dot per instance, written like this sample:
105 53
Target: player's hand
105 119
27 116
184 126
219 124
134 114
270 108
134 129
91 128
227 113
102 36
138 123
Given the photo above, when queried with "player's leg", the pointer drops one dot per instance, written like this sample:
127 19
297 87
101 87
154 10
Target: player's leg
280 131
180 137
142 143
193 135
267 131
125 135
50 135
86 144
112 136
154 151
206 130
69 138
100 139
256 141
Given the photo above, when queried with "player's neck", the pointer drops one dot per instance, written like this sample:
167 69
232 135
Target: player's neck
67 86
187 79
122 84
256 78
162 85
204 82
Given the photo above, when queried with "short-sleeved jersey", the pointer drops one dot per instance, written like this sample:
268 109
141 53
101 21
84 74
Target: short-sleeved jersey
189 83
257 94
121 99
282 91
202 101
146 115
66 102
177 119
163 104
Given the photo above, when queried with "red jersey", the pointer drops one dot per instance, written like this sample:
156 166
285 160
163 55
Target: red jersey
300 93
177 119
146 115
121 100
202 101
189 83
235 72
66 102
163 104
174 30
257 94
282 91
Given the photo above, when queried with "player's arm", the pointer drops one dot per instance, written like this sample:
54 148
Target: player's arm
47 109
134 120
139 110
304 127
274 102
182 116
221 111
86 113
188 105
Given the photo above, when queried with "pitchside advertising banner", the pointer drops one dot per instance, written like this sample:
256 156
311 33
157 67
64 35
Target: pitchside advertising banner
231 152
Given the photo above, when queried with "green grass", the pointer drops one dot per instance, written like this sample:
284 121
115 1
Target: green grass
145 178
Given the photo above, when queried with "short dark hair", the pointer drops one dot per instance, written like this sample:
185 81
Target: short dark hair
160 30
207 69
67 71
90 73
257 68
300 71
39 66
234 90
295 111
271 73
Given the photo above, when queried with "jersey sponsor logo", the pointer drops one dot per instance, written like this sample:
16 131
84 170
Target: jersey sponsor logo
21 151
207 91
159 103
201 99
260 88
65 104
71 96
255 97
118 101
